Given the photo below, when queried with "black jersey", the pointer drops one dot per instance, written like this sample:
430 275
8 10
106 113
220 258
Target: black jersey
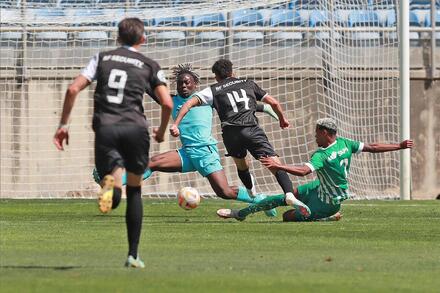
123 76
235 100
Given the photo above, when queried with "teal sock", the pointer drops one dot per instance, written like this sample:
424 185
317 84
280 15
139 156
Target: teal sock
243 195
146 175
267 203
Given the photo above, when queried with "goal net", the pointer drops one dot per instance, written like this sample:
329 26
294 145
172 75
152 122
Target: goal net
323 58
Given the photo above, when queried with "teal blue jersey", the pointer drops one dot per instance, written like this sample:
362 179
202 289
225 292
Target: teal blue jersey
195 128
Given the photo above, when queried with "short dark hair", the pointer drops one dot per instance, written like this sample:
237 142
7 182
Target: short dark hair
130 31
222 68
330 131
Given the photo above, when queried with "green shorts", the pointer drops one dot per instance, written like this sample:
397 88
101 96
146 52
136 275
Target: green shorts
203 159
308 194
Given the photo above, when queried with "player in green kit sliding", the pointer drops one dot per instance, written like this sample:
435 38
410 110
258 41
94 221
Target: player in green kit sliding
199 149
331 163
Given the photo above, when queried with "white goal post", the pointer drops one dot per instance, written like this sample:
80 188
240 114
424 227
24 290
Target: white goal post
346 59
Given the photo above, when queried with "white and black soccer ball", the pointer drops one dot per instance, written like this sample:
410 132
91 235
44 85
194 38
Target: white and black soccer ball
188 198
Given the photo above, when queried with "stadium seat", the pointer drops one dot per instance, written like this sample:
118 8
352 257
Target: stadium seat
77 3
170 37
9 17
361 18
111 3
152 3
422 4
427 22
40 3
285 18
248 17
414 21
304 4
43 16
212 20
320 18
90 17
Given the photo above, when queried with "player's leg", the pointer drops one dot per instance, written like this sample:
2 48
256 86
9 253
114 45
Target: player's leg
272 202
133 219
109 165
135 153
236 148
309 193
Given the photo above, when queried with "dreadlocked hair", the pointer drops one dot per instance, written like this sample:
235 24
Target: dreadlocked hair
185 68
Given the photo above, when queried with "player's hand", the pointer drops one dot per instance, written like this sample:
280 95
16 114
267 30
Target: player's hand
158 135
406 144
174 130
270 163
61 134
284 123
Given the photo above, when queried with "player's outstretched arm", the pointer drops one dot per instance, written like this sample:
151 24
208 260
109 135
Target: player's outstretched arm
385 147
194 101
62 133
166 102
268 99
273 165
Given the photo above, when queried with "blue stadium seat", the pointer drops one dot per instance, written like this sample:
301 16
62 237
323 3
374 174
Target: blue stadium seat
248 17
413 19
422 4
90 17
322 18
427 21
111 3
6 4
77 3
40 3
363 18
173 38
318 18
152 3
210 38
170 21
283 18
304 4
215 19
360 18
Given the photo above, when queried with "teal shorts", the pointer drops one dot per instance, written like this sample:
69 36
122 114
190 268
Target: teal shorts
203 159
308 194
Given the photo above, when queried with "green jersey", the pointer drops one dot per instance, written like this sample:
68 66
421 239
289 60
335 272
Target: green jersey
332 165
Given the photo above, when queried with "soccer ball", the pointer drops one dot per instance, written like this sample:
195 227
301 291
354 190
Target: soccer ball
188 198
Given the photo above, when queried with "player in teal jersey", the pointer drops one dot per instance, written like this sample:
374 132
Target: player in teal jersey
331 163
199 149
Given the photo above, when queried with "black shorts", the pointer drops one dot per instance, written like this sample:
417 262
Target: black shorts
125 146
240 139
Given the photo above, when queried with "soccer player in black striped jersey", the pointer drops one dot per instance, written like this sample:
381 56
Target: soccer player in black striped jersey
122 140
235 100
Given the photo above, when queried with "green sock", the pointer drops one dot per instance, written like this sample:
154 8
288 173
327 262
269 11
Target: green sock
268 203
243 195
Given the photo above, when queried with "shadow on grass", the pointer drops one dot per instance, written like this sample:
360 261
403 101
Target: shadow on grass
34 267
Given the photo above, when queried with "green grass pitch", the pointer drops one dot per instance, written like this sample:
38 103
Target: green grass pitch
67 246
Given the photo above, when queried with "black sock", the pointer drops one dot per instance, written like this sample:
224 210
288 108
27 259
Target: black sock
284 181
245 177
133 218
117 192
